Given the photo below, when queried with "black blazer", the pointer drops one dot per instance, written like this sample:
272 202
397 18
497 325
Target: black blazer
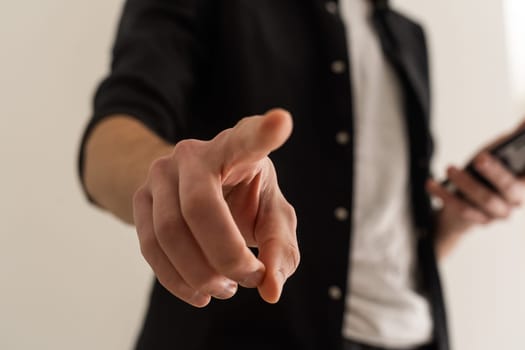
191 68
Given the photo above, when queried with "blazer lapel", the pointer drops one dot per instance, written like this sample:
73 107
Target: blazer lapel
404 45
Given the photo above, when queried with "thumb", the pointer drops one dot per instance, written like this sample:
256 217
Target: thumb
278 248
253 138
281 261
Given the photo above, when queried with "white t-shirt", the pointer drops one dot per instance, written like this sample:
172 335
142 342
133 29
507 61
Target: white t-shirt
382 306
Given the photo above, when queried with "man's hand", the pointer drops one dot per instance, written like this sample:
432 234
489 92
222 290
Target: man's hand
204 204
479 204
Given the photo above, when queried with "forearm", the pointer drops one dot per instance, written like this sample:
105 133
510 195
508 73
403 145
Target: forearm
118 154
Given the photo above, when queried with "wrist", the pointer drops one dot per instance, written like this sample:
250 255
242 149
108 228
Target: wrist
448 233
119 153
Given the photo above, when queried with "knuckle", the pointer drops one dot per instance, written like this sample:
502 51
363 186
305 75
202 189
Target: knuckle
291 215
219 140
293 257
186 148
159 167
242 121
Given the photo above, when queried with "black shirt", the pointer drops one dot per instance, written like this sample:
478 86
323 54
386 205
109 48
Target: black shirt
191 68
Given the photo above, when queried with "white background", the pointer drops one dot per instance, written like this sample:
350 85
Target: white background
71 277
515 26
476 96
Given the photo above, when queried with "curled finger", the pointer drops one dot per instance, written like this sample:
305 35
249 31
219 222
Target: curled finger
165 272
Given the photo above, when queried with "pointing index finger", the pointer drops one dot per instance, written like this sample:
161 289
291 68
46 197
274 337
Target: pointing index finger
253 138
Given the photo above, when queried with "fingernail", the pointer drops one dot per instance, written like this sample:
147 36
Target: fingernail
253 280
198 299
228 291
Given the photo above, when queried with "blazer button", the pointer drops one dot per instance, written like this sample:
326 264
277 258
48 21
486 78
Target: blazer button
338 67
342 138
335 293
331 7
341 214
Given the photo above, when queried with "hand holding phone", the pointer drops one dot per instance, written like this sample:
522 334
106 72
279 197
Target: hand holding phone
480 202
510 152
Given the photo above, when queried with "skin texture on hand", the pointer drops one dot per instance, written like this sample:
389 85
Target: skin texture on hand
479 205
203 205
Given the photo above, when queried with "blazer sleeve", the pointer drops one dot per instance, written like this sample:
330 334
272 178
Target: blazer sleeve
159 50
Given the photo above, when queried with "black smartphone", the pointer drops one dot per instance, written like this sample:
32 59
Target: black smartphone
510 152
